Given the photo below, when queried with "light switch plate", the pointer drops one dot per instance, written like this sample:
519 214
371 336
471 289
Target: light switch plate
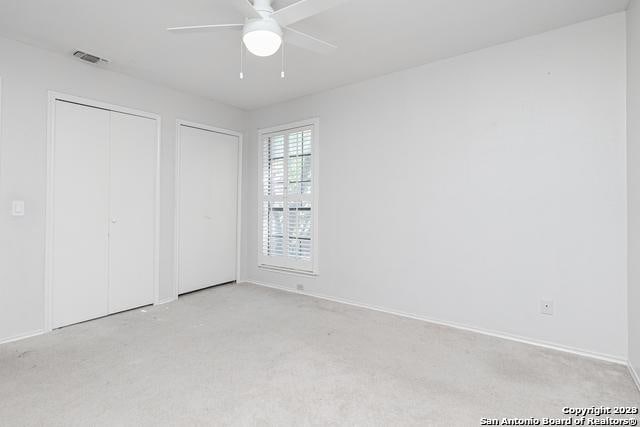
17 208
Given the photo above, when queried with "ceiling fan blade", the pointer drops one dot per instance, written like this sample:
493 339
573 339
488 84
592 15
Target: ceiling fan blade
308 42
246 8
205 28
301 10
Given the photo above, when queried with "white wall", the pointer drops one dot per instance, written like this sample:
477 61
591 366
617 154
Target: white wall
470 189
633 149
27 75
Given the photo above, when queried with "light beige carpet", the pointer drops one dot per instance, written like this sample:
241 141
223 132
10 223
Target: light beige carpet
247 355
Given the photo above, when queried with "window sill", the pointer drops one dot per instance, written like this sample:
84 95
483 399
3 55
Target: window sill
285 270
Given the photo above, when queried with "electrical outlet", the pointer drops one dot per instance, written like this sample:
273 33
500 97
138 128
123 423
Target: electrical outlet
300 287
546 307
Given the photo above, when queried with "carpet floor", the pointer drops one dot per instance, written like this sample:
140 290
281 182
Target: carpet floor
252 356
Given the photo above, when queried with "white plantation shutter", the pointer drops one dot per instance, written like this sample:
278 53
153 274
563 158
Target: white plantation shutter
287 199
273 200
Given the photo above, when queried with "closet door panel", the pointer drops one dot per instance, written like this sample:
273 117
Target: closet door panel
207 208
80 213
132 212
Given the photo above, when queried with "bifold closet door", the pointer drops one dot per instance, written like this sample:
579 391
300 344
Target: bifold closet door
80 213
132 211
207 210
104 177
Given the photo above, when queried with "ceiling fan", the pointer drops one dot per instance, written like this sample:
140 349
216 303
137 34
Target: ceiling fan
265 29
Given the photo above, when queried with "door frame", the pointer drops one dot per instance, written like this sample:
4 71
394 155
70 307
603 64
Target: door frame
177 251
50 220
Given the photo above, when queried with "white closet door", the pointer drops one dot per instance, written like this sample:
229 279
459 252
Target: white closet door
208 191
80 213
132 213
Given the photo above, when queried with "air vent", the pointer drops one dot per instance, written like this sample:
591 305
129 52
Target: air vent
88 57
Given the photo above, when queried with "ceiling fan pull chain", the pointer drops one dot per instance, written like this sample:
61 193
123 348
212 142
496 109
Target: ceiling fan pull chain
282 72
241 60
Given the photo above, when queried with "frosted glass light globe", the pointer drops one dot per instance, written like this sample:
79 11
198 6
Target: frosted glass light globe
262 37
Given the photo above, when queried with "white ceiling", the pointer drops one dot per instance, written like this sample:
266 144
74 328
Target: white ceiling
375 37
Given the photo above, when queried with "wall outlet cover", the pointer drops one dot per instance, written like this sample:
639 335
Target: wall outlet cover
546 307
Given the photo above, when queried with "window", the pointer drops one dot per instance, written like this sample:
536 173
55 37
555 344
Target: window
289 168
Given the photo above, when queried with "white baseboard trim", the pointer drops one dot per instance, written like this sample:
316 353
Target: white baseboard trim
496 334
22 336
166 301
634 374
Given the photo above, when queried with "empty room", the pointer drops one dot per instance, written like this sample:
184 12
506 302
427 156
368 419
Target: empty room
319 212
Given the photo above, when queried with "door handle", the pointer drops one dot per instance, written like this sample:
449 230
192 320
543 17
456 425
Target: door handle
113 220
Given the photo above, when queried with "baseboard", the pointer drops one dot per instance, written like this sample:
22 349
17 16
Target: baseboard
634 374
166 301
496 334
22 336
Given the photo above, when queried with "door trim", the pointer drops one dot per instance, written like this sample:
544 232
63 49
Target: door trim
50 220
177 254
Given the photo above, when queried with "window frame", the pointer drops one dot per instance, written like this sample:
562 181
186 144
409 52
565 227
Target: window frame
286 264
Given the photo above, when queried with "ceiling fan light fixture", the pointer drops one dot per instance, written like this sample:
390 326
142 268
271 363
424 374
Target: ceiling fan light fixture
262 37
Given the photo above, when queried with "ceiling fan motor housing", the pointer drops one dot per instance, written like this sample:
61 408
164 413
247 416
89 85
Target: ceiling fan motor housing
264 24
